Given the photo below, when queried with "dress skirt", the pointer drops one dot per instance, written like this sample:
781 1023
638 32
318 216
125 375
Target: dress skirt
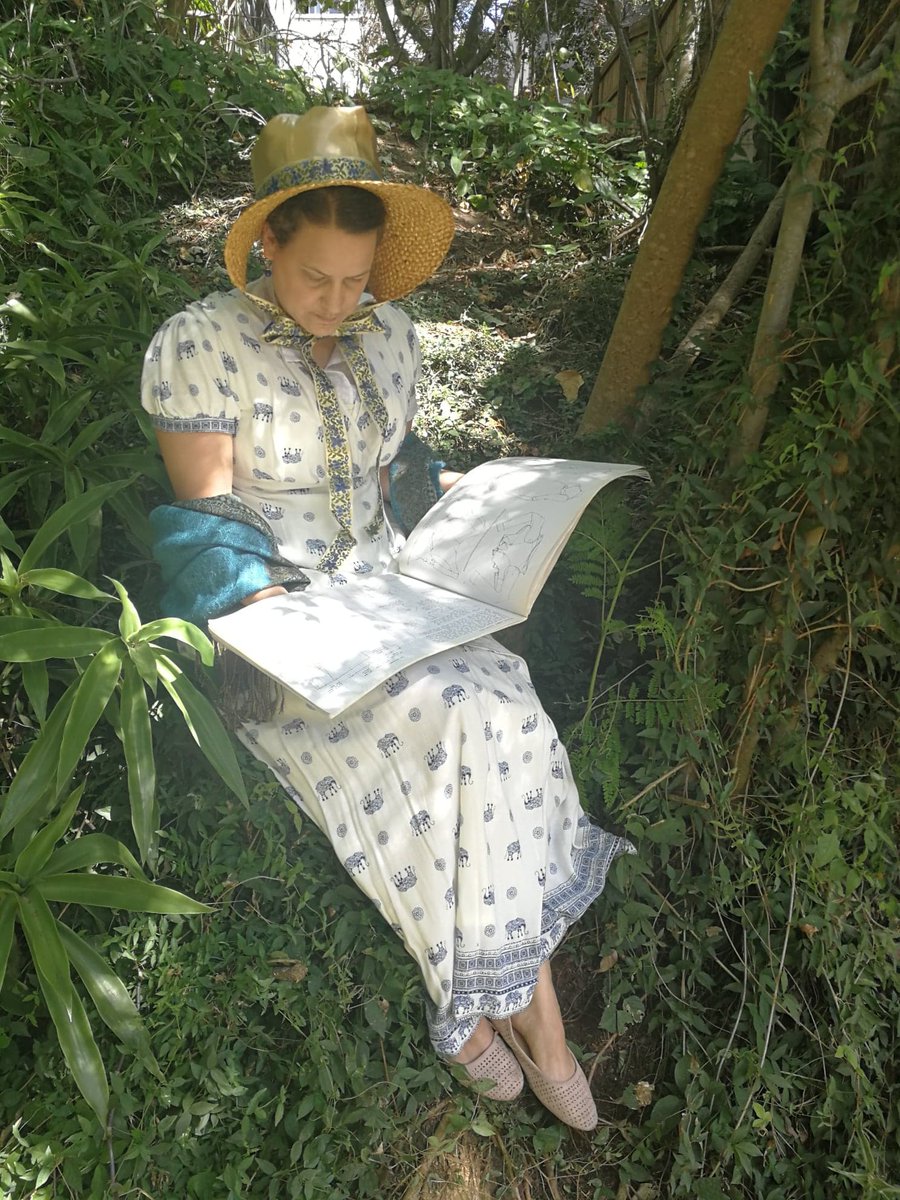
449 798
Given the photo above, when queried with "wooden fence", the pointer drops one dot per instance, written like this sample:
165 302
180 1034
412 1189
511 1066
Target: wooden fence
664 46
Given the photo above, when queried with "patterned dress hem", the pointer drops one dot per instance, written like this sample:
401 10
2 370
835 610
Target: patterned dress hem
498 985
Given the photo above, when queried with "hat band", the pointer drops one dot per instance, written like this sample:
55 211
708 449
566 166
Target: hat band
317 170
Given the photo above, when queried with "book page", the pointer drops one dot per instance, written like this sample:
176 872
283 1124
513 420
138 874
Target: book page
331 647
497 533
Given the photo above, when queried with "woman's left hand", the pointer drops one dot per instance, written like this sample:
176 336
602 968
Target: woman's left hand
447 478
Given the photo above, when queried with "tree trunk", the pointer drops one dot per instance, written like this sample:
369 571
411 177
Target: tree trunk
748 34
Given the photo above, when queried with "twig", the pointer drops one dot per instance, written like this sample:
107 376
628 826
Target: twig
740 1011
656 782
599 1055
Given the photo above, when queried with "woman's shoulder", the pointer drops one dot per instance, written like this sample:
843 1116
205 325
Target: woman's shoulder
215 317
399 332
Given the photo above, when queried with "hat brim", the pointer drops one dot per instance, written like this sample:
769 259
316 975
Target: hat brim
416 236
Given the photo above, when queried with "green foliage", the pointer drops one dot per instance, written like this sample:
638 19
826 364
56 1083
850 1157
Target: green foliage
756 747
520 156
103 100
94 673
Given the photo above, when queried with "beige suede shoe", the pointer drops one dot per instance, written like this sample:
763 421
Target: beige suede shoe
570 1100
498 1065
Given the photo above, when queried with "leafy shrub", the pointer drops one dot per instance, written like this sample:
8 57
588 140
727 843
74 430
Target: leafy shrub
92 133
538 159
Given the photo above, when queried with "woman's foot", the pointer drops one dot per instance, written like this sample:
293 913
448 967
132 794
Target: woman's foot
478 1041
537 1039
539 1028
485 1056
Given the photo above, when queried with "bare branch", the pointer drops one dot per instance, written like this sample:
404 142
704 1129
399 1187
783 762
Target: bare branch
614 16
840 26
730 288
817 35
387 29
874 69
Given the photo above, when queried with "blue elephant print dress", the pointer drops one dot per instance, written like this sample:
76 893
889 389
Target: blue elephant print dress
445 791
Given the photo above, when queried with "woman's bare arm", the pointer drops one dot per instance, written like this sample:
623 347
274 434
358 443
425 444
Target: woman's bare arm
199 465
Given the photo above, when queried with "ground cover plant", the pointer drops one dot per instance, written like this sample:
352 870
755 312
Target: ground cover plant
725 675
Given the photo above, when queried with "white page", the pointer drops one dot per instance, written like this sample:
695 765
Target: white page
331 647
497 533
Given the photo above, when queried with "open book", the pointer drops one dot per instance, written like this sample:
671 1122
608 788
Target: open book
474 564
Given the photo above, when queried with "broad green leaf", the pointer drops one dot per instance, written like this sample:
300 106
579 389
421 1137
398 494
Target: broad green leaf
47 953
90 850
35 780
182 631
144 659
39 849
17 624
79 1048
13 304
95 688
129 621
64 414
37 686
24 442
65 582
56 641
112 891
8 910
91 434
137 739
205 725
111 998
11 485
9 576
7 539
71 513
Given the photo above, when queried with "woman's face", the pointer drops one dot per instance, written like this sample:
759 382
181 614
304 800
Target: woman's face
320 274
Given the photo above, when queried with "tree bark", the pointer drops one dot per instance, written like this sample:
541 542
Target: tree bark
747 36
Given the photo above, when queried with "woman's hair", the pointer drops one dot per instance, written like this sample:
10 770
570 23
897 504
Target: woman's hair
350 209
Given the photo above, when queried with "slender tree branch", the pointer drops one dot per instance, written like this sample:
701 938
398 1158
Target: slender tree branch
614 16
873 70
474 28
409 26
817 35
472 65
387 28
730 288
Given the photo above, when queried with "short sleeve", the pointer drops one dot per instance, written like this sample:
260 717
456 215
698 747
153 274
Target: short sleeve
416 352
404 342
187 384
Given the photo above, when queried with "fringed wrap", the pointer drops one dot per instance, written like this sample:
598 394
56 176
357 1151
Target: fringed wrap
213 553
243 692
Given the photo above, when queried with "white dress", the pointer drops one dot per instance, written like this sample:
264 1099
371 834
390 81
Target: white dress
445 791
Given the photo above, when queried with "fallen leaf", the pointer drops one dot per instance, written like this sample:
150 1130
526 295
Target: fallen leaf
643 1093
290 971
608 961
570 382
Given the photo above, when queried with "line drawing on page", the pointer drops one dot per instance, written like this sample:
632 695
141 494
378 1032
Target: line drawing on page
496 553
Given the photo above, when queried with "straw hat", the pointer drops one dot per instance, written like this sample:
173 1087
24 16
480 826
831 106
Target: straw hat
335 147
